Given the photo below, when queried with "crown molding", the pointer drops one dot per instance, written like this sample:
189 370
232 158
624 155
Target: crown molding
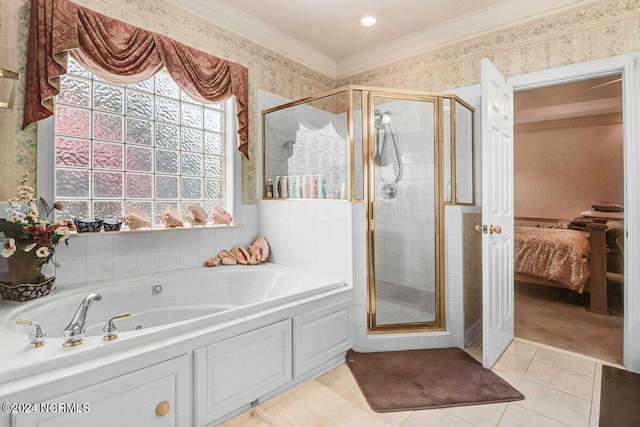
493 18
233 19
464 27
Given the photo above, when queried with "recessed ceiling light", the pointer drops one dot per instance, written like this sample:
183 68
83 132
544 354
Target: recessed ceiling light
368 21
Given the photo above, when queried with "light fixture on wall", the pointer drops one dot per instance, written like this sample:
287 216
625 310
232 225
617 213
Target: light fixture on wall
9 81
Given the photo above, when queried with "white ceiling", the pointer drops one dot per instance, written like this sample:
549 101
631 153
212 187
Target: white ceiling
583 98
326 35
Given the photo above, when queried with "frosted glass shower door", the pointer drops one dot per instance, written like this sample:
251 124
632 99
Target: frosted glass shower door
403 185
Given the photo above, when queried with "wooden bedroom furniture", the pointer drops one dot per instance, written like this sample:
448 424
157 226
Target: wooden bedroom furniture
597 270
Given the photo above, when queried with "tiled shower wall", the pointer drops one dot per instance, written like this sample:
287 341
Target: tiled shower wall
405 232
330 237
308 234
453 336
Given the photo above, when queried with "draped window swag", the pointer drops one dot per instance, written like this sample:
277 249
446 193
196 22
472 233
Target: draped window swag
121 53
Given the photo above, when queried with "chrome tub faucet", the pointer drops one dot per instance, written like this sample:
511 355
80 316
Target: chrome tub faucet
74 332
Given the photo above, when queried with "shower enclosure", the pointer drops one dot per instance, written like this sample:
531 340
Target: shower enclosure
406 155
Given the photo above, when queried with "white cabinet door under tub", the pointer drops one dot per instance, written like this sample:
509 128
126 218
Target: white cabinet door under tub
148 397
320 335
232 373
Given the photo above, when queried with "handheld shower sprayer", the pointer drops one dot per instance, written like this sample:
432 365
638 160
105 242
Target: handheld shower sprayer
384 155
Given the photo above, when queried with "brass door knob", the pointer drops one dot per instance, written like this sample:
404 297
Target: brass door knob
478 228
495 229
163 408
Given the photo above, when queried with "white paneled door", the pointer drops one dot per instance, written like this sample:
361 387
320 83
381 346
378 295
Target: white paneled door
497 213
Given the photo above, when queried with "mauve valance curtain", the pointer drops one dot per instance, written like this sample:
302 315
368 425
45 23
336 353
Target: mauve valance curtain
122 53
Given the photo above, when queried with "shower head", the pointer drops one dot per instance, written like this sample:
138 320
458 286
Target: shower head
379 123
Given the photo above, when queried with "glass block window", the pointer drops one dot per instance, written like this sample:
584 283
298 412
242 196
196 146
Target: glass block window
147 144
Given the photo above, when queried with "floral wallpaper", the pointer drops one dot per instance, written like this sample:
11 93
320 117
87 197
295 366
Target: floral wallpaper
599 30
602 29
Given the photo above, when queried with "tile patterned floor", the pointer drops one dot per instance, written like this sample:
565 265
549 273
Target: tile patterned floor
560 388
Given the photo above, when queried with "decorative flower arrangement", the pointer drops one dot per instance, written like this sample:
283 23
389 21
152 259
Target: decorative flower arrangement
29 242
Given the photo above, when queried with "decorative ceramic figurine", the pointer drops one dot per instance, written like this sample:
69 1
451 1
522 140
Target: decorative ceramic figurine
197 214
212 262
220 216
227 257
241 255
170 217
111 224
87 225
135 218
258 252
260 247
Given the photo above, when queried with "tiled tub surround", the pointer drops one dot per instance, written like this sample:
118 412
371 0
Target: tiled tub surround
103 256
252 332
330 236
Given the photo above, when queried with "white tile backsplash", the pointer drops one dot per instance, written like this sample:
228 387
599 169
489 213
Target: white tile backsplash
169 260
101 256
307 233
71 272
98 268
96 246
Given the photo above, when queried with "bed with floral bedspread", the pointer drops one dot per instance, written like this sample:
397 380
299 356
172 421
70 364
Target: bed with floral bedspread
556 254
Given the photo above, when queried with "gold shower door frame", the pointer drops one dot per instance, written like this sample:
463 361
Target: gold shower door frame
364 192
439 324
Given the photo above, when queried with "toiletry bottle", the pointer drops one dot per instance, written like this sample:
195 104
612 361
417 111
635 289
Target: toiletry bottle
302 186
313 187
285 186
293 189
269 188
322 187
278 187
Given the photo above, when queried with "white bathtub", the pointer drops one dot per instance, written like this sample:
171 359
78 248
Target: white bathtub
188 300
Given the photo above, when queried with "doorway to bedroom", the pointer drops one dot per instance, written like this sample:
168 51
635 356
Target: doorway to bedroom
568 174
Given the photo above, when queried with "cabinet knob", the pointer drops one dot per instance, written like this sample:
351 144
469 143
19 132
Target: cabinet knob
163 408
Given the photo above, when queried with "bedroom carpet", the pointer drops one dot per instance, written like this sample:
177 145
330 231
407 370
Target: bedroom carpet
559 318
425 379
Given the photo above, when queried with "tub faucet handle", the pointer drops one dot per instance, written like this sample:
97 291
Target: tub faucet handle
110 329
36 336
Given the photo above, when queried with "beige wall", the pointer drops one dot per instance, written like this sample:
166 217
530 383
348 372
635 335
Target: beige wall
604 29
561 168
